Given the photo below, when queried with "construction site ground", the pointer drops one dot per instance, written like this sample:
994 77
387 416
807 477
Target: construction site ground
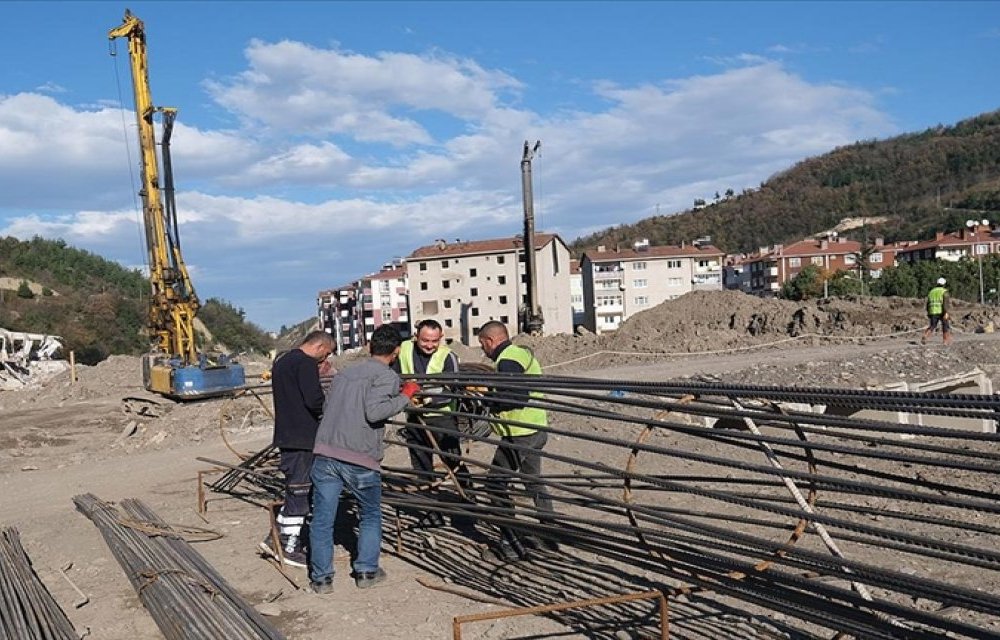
59 439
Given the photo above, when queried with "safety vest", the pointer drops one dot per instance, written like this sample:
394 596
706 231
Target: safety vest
436 365
935 301
528 415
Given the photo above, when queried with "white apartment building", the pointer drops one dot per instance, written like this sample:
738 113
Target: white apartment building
386 301
576 293
464 284
618 284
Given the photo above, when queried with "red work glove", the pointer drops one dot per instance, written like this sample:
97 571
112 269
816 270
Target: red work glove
409 389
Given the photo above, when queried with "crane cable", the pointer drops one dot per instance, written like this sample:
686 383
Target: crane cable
112 49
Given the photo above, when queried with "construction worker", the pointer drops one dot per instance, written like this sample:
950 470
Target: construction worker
425 354
937 311
526 428
298 405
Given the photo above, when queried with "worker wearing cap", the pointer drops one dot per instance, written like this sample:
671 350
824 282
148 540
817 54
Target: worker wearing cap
521 426
937 312
426 354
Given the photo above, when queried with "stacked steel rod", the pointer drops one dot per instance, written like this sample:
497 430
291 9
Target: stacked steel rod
830 519
27 609
186 597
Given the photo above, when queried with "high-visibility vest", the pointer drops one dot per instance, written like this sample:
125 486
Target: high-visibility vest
528 415
935 301
436 365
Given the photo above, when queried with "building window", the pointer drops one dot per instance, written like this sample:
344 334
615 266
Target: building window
641 300
850 259
474 291
423 286
501 279
673 264
472 273
503 299
446 284
639 284
448 323
444 264
674 282
875 258
795 262
639 266
500 259
524 278
982 249
576 298
504 319
475 311
705 264
423 266
386 315
817 260
447 304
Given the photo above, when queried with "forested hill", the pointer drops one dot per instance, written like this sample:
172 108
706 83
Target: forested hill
934 180
96 305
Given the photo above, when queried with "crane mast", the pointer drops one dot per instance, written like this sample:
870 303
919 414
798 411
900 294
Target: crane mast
175 368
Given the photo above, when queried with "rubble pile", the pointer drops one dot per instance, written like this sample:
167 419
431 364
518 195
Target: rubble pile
716 321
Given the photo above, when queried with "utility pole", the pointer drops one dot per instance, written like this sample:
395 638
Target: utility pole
532 320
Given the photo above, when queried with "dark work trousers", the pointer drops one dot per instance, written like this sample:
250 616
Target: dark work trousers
527 462
296 465
449 443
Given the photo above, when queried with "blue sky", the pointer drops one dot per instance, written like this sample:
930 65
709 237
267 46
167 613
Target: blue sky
316 140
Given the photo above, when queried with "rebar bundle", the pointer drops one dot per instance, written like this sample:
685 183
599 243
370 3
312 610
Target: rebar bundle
805 509
186 596
27 610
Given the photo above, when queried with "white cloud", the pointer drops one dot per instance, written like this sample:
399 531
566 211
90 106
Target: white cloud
276 206
294 87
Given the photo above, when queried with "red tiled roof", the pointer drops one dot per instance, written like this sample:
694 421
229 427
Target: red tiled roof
389 274
469 247
953 239
574 266
653 252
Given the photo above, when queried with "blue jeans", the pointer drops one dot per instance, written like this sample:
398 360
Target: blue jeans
329 478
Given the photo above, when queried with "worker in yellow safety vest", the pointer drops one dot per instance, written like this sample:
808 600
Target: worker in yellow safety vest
524 427
426 354
937 312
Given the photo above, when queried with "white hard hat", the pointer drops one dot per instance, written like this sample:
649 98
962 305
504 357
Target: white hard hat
941 281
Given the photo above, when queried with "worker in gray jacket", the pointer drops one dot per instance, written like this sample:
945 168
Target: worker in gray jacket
348 454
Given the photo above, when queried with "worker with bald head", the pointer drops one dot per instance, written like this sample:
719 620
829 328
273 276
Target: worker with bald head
520 426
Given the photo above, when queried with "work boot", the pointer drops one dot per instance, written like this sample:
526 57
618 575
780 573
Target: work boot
292 554
431 520
368 579
540 543
323 587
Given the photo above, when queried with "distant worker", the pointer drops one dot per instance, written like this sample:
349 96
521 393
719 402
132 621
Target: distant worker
348 454
937 312
520 426
425 354
298 405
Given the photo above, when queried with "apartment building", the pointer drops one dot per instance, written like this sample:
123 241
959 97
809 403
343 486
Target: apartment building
576 293
464 284
764 272
618 284
353 311
974 241
340 316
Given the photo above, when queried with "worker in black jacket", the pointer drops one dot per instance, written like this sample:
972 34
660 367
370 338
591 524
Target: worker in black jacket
298 406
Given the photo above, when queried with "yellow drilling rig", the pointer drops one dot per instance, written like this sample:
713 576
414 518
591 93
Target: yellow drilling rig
174 367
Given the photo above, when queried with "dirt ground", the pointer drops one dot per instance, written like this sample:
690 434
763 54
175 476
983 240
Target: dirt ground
59 439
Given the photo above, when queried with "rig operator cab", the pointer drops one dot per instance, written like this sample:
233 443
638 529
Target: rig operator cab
174 368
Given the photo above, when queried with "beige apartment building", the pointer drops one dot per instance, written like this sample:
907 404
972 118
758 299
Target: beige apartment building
464 284
618 284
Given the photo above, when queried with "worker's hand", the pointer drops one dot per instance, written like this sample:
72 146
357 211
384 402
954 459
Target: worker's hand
479 390
409 389
944 316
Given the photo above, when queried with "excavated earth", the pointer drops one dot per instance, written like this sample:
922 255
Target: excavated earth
103 434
